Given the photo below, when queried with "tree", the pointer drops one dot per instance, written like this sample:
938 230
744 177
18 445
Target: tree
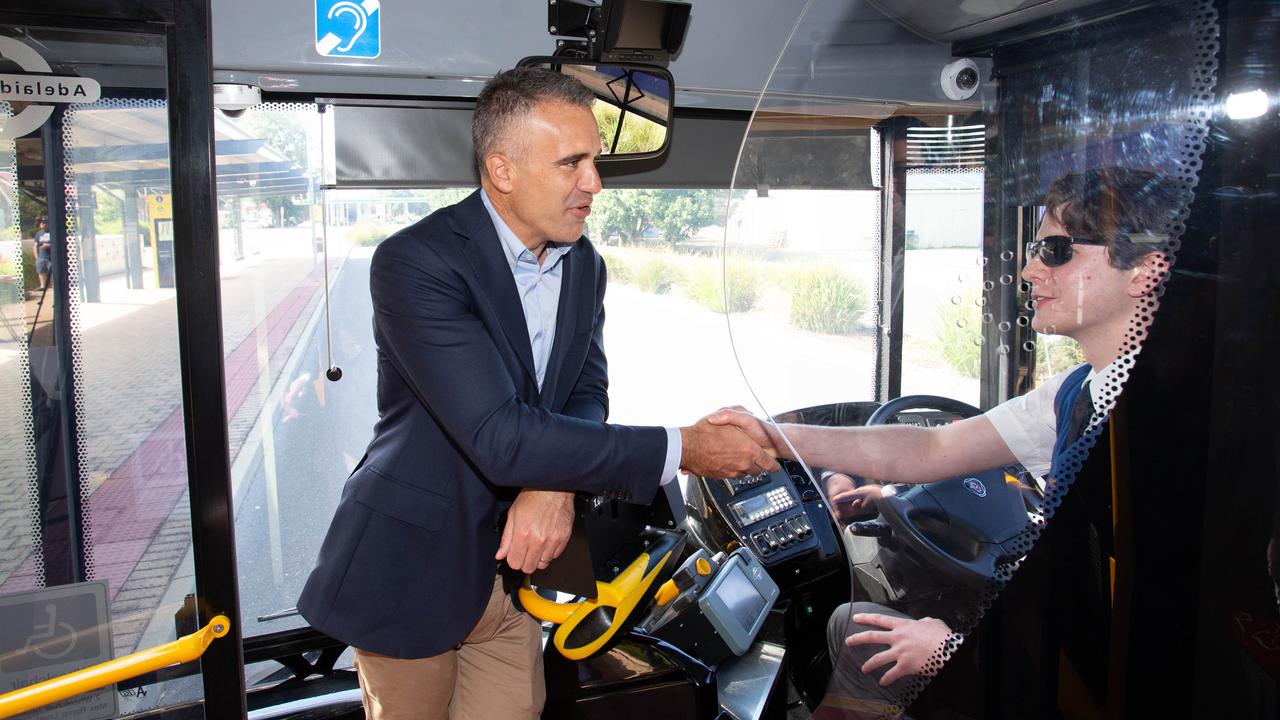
286 132
677 214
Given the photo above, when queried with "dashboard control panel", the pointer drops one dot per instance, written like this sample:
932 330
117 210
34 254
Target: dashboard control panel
769 512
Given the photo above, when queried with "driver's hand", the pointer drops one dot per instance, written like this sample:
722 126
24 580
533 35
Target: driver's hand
538 527
849 501
914 646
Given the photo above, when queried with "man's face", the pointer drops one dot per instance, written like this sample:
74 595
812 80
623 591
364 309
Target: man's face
1084 295
553 173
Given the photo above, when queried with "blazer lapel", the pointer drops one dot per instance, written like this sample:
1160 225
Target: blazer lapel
571 304
494 273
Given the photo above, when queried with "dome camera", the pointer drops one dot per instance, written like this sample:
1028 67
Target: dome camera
960 79
233 99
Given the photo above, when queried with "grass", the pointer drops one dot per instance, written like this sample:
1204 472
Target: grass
958 334
827 300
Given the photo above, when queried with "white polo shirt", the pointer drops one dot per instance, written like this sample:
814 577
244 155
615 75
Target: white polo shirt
1029 425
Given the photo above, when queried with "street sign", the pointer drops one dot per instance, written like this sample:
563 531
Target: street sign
48 633
349 29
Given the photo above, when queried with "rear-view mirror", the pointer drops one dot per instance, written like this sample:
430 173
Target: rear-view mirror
633 106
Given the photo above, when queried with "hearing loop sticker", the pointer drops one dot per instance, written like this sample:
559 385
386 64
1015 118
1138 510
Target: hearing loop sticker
349 29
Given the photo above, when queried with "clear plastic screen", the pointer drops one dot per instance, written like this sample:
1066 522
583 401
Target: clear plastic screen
875 241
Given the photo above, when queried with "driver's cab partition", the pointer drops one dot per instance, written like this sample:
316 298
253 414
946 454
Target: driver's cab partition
1077 136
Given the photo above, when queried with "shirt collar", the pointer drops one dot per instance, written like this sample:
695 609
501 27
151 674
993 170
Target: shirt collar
516 250
1104 384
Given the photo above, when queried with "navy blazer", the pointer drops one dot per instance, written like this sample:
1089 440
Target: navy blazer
407 566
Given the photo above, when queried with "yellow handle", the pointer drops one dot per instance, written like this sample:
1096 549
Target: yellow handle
184 649
670 590
666 593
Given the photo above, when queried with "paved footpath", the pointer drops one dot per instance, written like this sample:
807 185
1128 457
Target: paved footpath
132 437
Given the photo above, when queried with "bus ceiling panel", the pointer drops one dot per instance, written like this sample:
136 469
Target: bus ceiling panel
952 21
843 51
422 49
116 60
152 12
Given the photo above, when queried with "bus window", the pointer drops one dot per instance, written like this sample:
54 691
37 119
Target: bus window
94 507
943 298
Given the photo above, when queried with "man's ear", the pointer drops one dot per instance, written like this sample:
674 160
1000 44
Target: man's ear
501 173
1150 271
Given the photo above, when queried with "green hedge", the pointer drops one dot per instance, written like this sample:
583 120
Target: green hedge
827 300
30 280
654 275
367 233
706 281
958 334
616 265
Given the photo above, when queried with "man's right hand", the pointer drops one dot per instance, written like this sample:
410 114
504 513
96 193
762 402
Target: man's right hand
721 451
760 432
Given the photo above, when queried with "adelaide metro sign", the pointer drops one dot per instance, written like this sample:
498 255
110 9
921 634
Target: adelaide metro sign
37 86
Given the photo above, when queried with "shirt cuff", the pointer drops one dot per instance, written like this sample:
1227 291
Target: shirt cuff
674 447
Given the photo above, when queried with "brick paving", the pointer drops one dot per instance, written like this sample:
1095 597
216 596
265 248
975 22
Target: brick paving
137 512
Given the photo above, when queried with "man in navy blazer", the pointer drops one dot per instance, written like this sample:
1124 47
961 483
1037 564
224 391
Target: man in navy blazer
492 399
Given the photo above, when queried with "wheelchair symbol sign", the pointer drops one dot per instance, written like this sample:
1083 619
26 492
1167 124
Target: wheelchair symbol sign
50 632
349 28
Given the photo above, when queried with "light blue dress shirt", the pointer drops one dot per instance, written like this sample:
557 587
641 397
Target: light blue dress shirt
539 290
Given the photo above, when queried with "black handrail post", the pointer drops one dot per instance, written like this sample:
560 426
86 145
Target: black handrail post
199 302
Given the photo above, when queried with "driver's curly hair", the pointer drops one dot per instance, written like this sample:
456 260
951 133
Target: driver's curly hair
1132 210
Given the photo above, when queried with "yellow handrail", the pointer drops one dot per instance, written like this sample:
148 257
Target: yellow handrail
184 649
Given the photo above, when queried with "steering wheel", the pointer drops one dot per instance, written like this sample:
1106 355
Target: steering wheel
887 413
957 525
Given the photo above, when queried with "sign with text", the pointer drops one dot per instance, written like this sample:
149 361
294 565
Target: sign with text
38 88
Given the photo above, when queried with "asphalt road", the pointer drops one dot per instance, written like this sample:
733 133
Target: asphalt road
317 433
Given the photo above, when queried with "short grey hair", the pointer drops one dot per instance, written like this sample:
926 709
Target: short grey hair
510 96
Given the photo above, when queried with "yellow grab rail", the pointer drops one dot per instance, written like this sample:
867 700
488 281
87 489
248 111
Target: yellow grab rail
184 649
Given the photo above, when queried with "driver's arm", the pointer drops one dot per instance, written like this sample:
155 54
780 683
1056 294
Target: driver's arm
890 453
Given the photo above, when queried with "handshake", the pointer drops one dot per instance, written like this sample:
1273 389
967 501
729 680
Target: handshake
728 443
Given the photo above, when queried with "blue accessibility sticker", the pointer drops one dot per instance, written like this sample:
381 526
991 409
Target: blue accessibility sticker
349 28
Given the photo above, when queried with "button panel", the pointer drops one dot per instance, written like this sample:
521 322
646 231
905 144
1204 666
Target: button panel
781 535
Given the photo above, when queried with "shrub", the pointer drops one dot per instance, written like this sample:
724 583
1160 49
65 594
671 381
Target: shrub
30 280
706 282
654 275
367 233
958 334
617 266
827 300
1055 353
12 287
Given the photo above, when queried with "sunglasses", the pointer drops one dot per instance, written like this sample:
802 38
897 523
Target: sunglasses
1055 250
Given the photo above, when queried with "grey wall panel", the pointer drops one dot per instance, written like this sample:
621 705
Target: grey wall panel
403 147
431 147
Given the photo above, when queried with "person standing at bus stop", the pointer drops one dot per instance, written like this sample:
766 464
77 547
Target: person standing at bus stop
1099 254
492 398
44 253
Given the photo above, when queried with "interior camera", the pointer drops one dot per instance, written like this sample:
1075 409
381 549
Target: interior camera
233 99
960 79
